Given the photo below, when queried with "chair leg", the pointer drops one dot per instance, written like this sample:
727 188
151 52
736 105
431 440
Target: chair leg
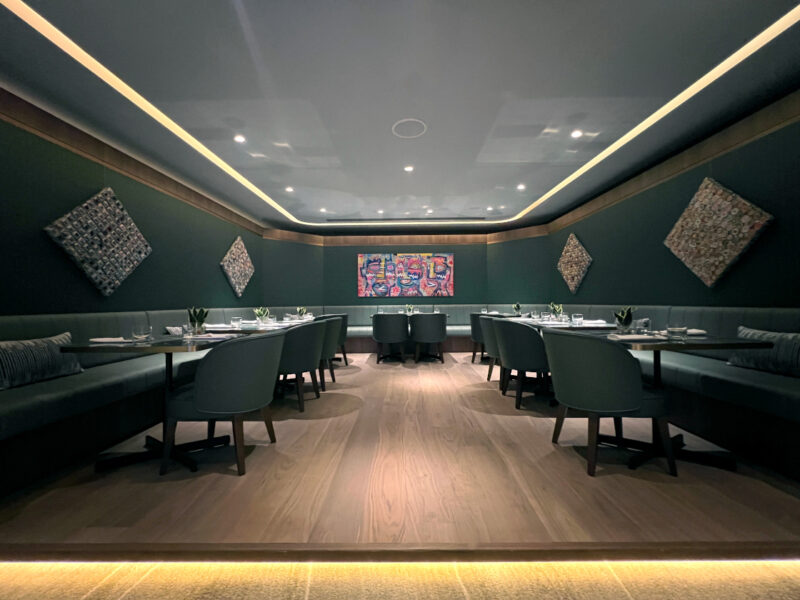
662 424
322 374
417 352
238 440
618 431
474 350
562 414
344 355
298 382
505 379
169 443
520 385
211 426
266 414
483 351
314 383
380 348
330 368
591 450
491 368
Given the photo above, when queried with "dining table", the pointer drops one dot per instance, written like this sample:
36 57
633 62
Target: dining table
166 345
584 325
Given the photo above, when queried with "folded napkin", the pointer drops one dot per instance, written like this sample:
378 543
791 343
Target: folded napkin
213 336
594 322
253 322
696 332
117 340
174 330
217 326
635 337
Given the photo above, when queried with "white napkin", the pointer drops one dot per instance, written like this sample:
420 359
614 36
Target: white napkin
635 337
696 332
174 330
213 336
217 326
594 322
117 340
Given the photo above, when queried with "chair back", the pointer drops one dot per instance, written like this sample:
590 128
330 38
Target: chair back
428 328
302 349
330 341
239 375
521 347
489 338
389 328
592 373
343 328
475 327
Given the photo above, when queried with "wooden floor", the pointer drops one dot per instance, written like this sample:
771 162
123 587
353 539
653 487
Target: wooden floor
408 454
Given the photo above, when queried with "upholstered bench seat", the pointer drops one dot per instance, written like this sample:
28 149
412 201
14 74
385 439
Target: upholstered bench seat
32 406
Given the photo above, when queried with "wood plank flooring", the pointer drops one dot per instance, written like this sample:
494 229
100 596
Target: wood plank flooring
427 454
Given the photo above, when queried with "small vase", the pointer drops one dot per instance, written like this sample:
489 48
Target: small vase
624 328
198 328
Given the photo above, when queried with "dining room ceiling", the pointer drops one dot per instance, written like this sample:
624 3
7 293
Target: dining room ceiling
511 113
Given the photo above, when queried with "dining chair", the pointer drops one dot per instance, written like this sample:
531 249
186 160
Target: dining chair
600 377
476 334
343 337
302 351
490 343
522 350
234 378
428 328
333 325
390 329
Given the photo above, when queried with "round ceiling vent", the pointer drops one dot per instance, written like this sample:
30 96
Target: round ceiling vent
408 129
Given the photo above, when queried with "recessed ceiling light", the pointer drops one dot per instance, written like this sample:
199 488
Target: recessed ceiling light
323 210
380 211
425 206
429 211
502 206
576 134
281 144
521 187
408 168
289 189
257 154
239 138
489 208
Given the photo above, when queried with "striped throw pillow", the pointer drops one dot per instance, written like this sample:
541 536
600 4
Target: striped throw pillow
29 361
782 358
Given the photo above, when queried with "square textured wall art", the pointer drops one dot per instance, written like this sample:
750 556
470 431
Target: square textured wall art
574 263
237 266
405 275
102 239
714 230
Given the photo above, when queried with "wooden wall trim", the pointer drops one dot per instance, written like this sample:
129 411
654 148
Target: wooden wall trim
25 115
406 240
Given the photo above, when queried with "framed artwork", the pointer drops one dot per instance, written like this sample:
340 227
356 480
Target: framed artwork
411 274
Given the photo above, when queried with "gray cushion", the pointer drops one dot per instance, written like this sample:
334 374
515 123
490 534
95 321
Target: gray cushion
783 357
28 361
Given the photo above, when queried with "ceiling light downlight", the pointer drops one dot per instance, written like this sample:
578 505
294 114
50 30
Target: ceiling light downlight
409 129
289 189
576 134
520 187
408 168
239 138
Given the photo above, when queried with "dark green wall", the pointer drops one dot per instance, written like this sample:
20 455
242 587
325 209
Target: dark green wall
341 269
40 181
631 265
519 271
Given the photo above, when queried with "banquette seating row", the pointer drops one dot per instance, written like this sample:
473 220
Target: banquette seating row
48 424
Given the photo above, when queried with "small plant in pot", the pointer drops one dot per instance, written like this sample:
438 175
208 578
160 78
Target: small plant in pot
301 311
556 309
197 319
262 314
409 309
516 307
624 318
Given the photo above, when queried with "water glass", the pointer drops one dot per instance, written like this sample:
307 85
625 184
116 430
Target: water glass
236 322
484 311
141 333
416 310
546 316
675 332
577 319
436 309
534 315
187 330
642 325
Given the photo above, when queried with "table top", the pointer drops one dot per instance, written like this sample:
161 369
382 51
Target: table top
561 325
696 342
160 345
226 328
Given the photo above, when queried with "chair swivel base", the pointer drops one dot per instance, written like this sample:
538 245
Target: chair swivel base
154 450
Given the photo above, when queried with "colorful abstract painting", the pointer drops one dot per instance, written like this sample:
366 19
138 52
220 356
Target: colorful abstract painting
714 230
405 275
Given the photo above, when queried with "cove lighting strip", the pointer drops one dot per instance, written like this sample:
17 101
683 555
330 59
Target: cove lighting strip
64 43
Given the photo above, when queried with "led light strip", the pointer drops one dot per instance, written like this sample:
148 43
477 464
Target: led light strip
56 37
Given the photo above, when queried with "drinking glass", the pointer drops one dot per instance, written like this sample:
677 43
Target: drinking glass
643 325
436 309
416 310
380 310
676 332
484 311
187 330
577 319
141 333
272 319
563 318
534 315
545 316
236 322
